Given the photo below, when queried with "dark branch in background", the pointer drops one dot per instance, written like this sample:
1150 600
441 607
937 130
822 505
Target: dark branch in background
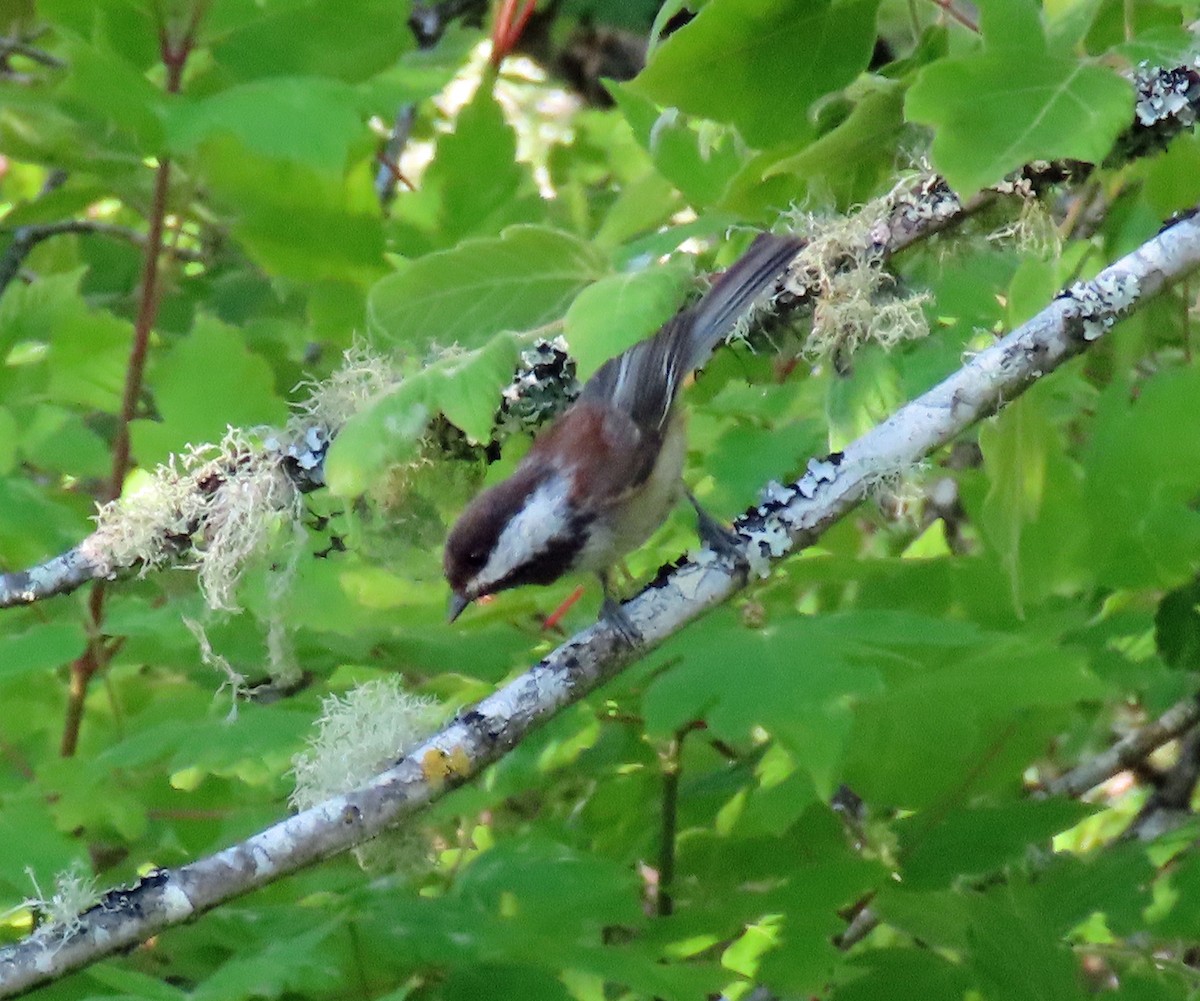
789 519
1169 803
21 47
671 761
1127 752
429 21
1167 103
26 238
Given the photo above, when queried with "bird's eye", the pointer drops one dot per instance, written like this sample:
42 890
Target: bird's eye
476 558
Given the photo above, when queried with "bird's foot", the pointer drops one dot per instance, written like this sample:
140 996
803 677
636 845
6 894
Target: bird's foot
721 540
616 617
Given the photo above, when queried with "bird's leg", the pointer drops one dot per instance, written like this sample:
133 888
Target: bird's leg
612 613
721 540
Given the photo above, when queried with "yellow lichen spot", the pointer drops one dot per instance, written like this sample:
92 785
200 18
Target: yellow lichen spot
459 762
435 766
439 766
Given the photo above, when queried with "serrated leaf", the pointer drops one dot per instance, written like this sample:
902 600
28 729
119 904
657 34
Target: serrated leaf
307 120
975 842
204 384
472 185
1063 107
466 388
621 310
775 56
522 279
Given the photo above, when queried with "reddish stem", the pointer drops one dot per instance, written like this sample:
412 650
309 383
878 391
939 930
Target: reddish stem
955 14
97 654
508 28
392 168
555 617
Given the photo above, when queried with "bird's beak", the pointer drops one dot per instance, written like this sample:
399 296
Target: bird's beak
457 604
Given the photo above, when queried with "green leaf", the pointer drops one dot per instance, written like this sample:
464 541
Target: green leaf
42 648
775 56
469 389
204 384
472 185
292 964
1141 470
848 161
805 674
525 278
620 310
293 220
32 841
89 353
1177 627
465 387
975 842
106 89
1031 513
58 439
304 120
985 127
898 974
700 160
311 37
907 750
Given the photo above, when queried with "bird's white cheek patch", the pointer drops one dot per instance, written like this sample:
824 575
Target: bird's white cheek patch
530 532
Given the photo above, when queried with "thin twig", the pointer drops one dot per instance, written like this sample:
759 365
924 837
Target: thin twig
26 238
18 47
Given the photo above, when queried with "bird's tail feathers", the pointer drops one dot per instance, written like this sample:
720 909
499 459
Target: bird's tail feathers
752 274
642 381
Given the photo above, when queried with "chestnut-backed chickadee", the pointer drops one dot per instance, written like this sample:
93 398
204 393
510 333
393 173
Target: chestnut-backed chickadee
606 474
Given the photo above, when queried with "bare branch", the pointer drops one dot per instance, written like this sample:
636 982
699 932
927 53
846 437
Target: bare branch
788 520
1128 751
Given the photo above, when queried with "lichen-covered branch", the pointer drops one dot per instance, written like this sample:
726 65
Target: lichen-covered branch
789 518
1167 103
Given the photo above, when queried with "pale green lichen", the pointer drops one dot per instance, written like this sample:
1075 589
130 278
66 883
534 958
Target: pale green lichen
358 735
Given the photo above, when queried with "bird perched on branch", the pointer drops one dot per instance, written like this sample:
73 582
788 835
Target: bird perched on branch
605 474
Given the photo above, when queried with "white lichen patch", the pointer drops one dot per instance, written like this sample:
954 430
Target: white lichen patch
1165 94
213 504
1098 304
856 299
358 735
74 892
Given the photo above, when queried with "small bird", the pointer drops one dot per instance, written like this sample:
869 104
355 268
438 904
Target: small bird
607 472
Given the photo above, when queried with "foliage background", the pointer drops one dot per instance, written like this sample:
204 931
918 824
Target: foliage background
938 663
